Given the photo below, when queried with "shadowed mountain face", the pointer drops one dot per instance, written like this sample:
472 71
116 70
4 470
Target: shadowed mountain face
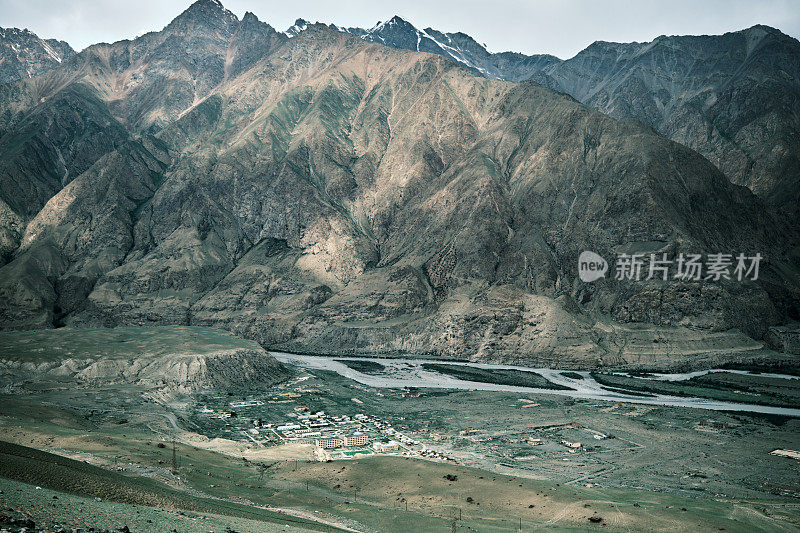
53 128
327 194
735 98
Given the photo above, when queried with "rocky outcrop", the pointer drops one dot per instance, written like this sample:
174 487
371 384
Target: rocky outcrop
172 359
785 339
23 54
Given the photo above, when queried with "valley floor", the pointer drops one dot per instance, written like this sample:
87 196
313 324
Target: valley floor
493 461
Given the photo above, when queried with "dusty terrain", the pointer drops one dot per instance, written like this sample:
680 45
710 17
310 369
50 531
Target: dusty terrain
723 474
171 358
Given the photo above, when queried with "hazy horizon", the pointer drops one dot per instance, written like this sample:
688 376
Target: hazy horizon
559 28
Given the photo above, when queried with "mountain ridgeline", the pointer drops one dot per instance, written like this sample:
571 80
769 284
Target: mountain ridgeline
319 191
24 55
734 98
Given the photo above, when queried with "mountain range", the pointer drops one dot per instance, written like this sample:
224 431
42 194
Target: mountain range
393 190
734 98
459 47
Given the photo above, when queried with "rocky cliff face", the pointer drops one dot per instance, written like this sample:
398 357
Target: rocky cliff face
459 47
323 193
24 55
734 98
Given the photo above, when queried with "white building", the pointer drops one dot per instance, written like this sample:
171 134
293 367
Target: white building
382 447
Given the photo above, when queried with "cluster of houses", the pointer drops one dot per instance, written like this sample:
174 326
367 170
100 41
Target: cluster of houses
388 441
348 441
330 432
357 439
433 454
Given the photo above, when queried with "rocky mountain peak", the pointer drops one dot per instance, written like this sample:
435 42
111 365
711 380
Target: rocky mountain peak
395 21
394 30
761 35
250 17
253 39
250 23
603 47
762 29
298 26
24 55
459 47
206 6
210 14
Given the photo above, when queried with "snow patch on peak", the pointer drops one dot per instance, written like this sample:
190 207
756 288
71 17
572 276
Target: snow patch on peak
52 53
394 21
298 26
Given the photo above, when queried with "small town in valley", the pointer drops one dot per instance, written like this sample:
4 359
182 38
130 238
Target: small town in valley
333 435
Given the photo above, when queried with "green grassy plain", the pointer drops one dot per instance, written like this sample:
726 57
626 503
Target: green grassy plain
123 343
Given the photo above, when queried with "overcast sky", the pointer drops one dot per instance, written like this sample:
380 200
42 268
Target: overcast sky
559 27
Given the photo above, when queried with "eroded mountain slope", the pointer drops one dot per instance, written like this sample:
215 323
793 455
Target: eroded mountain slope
735 98
55 126
23 54
339 196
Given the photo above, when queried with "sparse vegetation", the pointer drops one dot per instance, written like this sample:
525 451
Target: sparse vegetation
517 378
717 386
365 367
